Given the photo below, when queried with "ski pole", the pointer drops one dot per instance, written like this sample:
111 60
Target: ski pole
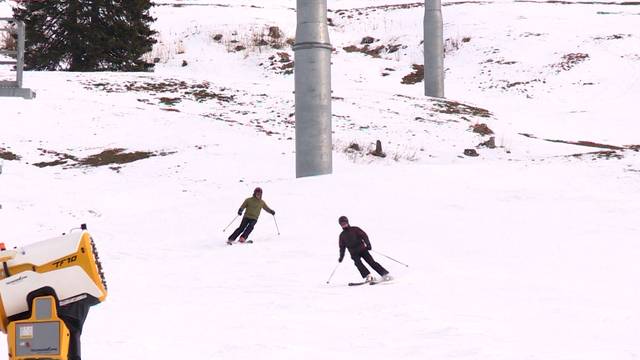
234 219
333 272
274 220
388 257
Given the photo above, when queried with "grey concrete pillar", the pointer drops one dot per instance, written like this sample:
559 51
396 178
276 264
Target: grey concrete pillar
312 72
433 49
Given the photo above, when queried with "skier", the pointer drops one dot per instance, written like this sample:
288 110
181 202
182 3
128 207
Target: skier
253 205
357 241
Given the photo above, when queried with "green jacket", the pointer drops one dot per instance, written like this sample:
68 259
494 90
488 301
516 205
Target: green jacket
254 206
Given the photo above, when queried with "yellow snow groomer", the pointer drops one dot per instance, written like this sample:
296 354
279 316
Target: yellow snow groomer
46 289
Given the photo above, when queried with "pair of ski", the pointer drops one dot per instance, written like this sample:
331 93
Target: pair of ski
234 242
378 281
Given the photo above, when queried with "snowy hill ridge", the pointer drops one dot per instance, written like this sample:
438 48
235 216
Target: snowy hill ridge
527 251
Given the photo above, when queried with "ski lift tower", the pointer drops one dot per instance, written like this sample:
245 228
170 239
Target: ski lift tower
312 89
14 88
433 49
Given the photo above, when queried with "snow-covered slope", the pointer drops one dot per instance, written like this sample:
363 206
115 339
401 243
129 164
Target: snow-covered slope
527 251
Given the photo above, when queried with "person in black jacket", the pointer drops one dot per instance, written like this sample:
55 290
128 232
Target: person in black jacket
357 241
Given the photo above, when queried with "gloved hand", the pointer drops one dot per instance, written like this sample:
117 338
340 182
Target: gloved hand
239 211
369 247
273 212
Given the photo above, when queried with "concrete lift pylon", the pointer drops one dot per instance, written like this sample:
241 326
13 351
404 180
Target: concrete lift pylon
14 88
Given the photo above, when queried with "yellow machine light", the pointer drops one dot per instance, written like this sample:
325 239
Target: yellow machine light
42 336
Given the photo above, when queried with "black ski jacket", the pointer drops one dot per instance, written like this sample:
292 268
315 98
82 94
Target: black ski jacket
354 239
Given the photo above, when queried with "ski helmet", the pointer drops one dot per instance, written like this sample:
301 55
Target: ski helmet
257 190
343 219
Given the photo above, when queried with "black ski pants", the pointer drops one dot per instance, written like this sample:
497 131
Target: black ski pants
366 256
246 227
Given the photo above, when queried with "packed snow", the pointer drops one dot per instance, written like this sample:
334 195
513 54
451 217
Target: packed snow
528 251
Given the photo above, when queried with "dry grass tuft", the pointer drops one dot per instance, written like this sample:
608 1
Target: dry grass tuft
8 155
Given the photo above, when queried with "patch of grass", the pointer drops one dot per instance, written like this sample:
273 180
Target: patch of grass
611 152
454 107
164 50
169 101
359 153
255 40
373 51
505 62
354 146
612 37
587 143
508 85
49 163
8 40
481 129
415 77
114 156
201 95
569 61
450 46
8 155
527 34
62 158
281 63
604 154
199 92
367 50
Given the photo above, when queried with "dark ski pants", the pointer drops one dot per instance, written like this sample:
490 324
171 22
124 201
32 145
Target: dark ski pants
246 227
357 259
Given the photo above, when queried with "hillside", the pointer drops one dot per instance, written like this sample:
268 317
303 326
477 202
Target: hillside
527 251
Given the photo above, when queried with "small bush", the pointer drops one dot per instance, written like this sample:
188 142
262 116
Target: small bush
8 40
569 61
256 40
275 32
415 77
8 155
180 49
358 153
163 51
367 40
354 146
482 129
452 45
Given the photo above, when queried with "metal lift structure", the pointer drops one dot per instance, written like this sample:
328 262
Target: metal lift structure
10 87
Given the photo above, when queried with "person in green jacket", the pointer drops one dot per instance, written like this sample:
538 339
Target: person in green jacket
253 205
